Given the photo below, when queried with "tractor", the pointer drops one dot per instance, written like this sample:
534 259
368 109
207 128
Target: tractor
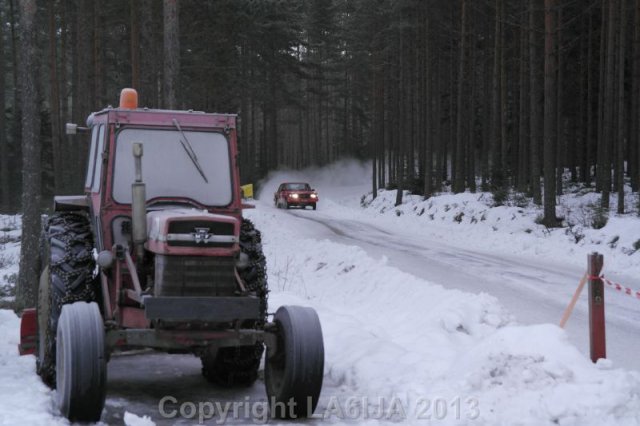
156 254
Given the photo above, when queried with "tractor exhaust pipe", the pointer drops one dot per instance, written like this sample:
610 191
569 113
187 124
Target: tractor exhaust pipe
138 205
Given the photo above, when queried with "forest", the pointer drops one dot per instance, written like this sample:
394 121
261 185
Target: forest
440 95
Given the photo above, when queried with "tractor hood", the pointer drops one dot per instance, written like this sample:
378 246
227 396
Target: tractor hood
186 231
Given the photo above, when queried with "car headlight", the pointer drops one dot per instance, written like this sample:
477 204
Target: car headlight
294 195
314 196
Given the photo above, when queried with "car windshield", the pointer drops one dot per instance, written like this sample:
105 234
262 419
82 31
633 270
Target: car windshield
297 187
168 171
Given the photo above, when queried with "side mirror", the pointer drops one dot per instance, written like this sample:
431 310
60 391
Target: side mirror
73 129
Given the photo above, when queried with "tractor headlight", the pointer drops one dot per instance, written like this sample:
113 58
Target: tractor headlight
314 196
294 195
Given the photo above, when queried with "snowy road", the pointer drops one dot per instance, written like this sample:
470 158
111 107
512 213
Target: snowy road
358 340
417 316
535 292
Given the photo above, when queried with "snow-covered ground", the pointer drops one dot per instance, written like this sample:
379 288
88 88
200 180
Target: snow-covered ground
400 348
10 229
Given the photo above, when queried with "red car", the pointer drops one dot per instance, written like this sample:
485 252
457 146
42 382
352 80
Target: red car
293 194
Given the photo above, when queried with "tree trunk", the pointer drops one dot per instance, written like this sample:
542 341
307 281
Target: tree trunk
608 122
428 113
576 153
150 53
523 134
135 44
400 129
550 117
171 53
535 113
589 142
495 129
601 96
98 100
27 288
54 86
5 184
458 181
634 139
504 140
378 119
83 88
471 113
14 174
560 124
636 95
621 136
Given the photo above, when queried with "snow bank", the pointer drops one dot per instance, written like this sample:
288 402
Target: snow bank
471 220
133 420
391 337
24 399
10 230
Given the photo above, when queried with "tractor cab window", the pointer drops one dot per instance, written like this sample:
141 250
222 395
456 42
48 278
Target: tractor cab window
201 173
91 159
97 174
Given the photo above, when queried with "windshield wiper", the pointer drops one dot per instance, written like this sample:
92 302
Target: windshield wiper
189 150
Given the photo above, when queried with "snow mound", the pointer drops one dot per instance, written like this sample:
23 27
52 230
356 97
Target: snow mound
133 420
390 336
533 375
10 232
24 399
515 229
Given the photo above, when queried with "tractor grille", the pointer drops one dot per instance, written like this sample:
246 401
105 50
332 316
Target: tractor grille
304 196
194 276
188 227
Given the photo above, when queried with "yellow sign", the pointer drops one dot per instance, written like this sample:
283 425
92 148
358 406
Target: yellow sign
247 191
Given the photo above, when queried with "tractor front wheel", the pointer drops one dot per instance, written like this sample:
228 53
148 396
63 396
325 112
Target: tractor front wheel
81 368
294 370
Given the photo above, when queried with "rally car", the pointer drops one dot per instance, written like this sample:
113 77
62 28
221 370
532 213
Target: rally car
295 194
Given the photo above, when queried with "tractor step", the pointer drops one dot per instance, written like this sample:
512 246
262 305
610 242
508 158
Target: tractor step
28 332
206 309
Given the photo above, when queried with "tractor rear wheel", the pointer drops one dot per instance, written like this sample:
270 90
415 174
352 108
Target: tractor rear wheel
238 366
294 372
81 368
66 277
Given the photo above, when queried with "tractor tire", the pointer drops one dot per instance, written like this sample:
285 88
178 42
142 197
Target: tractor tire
66 277
295 371
81 367
314 206
238 366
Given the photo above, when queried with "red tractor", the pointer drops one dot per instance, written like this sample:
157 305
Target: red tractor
156 254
